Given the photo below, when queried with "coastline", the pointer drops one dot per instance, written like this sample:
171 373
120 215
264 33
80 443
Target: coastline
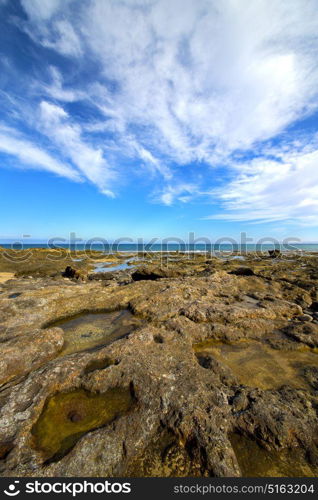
218 356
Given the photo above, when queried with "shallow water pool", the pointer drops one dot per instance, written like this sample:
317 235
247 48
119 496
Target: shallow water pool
255 364
89 331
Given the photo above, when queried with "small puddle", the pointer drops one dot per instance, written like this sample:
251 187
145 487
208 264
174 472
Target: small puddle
88 331
102 269
257 365
67 416
256 461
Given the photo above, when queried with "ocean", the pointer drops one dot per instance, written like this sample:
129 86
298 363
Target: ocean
169 247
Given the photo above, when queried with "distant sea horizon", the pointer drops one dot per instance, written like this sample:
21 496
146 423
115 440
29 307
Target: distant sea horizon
168 247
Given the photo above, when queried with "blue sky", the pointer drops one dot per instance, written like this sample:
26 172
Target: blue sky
154 118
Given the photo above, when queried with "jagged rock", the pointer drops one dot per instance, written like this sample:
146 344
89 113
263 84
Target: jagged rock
274 253
155 273
307 333
173 405
71 273
311 374
243 271
25 353
305 317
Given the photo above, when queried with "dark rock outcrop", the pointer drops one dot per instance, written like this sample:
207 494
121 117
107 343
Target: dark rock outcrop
274 253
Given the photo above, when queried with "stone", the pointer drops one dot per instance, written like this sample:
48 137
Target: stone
70 272
305 317
306 332
243 271
274 253
166 404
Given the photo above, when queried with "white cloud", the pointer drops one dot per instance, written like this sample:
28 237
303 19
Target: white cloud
42 10
48 25
56 90
207 76
63 39
192 80
55 123
283 188
32 156
177 192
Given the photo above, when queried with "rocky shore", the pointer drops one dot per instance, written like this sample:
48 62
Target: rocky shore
171 365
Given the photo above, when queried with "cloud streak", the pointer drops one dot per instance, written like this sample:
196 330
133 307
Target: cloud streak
55 123
284 187
179 86
32 156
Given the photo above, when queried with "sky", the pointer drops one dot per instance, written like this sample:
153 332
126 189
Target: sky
156 118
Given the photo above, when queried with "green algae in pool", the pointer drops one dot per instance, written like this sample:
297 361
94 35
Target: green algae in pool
256 461
166 456
258 365
67 416
95 329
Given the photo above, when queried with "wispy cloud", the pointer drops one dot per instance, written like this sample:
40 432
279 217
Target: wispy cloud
284 187
180 192
183 82
56 89
32 156
55 123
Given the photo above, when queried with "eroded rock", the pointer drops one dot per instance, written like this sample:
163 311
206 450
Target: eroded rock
180 403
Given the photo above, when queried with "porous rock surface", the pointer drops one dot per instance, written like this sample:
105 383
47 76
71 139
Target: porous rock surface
185 404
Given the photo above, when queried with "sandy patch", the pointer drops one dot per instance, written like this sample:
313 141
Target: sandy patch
5 277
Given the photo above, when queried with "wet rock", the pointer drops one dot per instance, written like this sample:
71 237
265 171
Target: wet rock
5 448
314 306
21 355
218 369
164 431
240 401
307 333
272 414
243 271
155 273
311 375
304 317
274 253
146 274
70 272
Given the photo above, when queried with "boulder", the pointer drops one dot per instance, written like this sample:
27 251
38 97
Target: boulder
70 272
274 253
243 271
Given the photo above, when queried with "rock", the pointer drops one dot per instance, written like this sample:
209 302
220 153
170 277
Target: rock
306 332
71 273
311 375
155 273
167 406
25 353
243 271
304 317
274 253
240 401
